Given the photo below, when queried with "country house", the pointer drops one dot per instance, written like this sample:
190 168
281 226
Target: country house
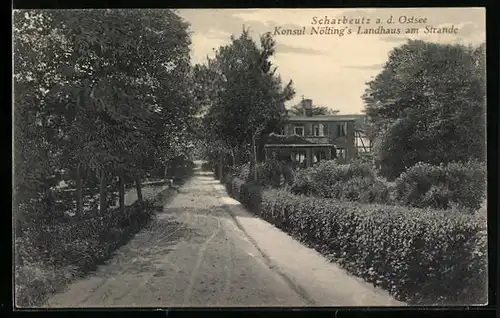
308 138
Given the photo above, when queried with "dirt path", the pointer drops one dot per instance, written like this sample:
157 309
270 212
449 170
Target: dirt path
205 250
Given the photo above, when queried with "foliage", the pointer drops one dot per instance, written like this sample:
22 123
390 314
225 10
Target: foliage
274 173
244 98
428 104
247 192
100 92
242 172
272 139
49 256
421 256
443 186
355 181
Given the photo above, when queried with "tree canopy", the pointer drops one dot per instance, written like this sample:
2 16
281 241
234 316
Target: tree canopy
108 92
244 96
428 104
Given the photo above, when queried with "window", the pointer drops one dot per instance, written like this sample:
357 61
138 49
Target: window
341 153
298 130
318 130
318 156
341 129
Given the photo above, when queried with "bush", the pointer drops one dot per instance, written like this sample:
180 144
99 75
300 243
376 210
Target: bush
274 173
355 181
441 187
206 166
248 193
228 181
421 256
380 191
269 173
49 255
242 172
251 195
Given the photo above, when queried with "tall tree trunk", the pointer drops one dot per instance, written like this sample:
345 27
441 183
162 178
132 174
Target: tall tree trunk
121 192
233 158
221 167
254 156
79 195
138 187
165 173
237 155
102 193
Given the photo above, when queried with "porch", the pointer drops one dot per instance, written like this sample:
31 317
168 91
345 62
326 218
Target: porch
301 155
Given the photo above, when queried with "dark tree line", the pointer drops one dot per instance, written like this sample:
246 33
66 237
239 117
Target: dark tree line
99 95
428 105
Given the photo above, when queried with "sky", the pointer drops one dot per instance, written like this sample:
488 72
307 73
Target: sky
330 69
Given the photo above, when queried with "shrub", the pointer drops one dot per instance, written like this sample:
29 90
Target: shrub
206 166
251 195
355 181
228 181
248 193
425 185
236 188
242 172
304 182
274 173
380 191
49 255
269 173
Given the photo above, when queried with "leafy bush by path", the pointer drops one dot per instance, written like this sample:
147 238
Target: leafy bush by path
421 256
206 166
50 256
355 181
442 187
227 181
70 248
274 173
241 171
248 193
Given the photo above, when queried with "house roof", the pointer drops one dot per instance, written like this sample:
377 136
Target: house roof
325 118
312 145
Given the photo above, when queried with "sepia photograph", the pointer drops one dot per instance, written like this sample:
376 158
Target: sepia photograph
167 158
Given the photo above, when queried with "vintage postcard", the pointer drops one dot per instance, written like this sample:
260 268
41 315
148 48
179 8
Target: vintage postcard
249 157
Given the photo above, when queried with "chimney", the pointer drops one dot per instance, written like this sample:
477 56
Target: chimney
307 106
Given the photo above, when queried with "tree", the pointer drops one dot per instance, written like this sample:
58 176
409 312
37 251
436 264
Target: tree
428 104
102 81
38 124
247 96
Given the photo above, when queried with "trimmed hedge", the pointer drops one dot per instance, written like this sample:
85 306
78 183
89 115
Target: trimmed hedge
248 193
442 187
421 256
